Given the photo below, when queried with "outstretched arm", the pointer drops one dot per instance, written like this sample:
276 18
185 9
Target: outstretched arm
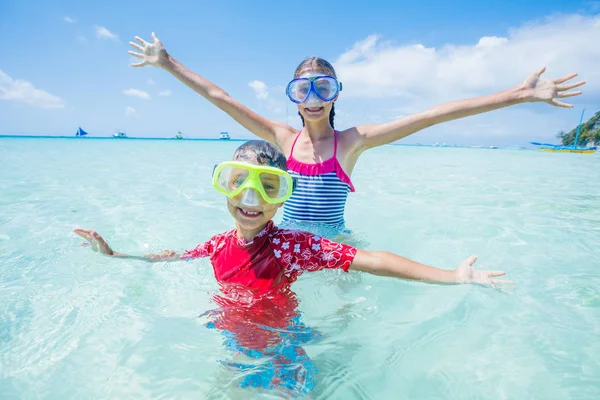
383 263
534 89
156 55
99 245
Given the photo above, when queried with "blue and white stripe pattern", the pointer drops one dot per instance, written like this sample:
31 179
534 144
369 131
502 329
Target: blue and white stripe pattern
317 198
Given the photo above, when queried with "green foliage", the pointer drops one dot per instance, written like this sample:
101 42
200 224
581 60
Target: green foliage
589 133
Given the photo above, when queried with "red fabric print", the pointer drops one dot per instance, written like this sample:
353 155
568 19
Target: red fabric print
274 259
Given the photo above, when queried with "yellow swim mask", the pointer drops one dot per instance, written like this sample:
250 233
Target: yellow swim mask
273 184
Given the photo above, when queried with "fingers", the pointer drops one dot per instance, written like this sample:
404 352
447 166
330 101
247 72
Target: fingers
570 86
136 46
557 103
133 53
140 64
86 237
471 260
142 41
495 273
569 94
565 78
155 38
84 233
540 72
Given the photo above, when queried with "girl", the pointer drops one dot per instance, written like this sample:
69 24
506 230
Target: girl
322 158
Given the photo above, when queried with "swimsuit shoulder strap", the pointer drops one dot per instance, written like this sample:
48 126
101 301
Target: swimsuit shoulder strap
335 144
294 144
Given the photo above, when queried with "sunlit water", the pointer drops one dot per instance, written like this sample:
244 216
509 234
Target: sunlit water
74 324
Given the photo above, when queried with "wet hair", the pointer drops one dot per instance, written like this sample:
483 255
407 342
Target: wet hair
319 64
266 154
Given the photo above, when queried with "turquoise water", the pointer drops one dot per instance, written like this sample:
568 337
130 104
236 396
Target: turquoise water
74 324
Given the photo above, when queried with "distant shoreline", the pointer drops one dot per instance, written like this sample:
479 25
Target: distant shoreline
113 138
172 139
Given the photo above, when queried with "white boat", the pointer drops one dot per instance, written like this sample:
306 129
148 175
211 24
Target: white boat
179 135
224 136
120 135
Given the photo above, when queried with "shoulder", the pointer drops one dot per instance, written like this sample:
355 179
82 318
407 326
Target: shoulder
220 239
299 244
284 138
351 140
281 236
304 251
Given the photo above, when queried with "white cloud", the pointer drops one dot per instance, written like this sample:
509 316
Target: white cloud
260 88
422 75
164 93
70 20
22 91
150 82
103 33
491 41
130 111
137 93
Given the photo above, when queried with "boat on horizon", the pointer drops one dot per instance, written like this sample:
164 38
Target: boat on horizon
224 136
558 148
120 135
178 136
80 132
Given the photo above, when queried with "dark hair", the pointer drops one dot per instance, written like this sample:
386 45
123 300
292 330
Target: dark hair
312 63
266 153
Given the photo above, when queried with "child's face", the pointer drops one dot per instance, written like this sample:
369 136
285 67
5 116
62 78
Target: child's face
251 217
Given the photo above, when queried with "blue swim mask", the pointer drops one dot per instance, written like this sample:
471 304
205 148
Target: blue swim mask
320 88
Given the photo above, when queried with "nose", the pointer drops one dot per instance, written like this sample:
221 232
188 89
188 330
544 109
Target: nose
313 99
250 198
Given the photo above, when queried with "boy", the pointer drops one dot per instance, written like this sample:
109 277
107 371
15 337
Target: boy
256 263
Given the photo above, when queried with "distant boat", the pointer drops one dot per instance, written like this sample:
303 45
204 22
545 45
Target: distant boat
557 148
224 136
179 135
120 135
81 132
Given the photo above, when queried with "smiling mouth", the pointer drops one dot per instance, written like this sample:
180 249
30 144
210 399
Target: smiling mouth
249 213
313 109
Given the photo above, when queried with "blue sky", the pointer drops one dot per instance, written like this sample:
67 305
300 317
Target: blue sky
65 65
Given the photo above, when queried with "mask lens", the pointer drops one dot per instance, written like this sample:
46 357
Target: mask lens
299 89
275 186
230 178
326 87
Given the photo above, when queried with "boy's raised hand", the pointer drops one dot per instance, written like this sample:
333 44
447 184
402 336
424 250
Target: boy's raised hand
465 273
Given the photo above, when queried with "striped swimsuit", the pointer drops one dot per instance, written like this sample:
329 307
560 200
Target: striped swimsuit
322 190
